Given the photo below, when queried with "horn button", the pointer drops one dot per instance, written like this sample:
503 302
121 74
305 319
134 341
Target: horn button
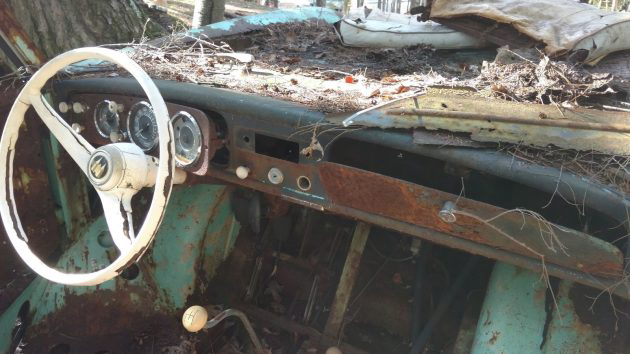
121 165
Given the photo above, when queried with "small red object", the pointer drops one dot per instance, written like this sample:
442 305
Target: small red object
349 79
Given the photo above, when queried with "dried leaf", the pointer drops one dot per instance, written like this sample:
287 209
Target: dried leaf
291 60
374 93
389 80
402 89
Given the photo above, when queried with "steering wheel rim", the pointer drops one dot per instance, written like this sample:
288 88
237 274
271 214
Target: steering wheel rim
82 152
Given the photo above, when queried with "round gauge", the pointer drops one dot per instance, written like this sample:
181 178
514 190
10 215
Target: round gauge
106 118
187 139
142 126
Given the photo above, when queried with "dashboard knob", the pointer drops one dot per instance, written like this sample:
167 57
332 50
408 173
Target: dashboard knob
116 137
64 107
78 107
242 172
77 128
275 176
116 107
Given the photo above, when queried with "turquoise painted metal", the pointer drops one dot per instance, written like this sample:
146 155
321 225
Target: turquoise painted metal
567 331
196 235
68 189
272 17
514 319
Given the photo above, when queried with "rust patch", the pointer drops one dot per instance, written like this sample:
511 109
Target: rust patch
597 312
495 336
277 206
418 205
116 324
25 50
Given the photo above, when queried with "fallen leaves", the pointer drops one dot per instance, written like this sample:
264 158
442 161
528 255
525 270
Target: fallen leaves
291 60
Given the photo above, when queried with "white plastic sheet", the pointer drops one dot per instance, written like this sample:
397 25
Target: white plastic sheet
373 28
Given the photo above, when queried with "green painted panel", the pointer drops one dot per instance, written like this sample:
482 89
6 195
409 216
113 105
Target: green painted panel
514 320
566 330
513 313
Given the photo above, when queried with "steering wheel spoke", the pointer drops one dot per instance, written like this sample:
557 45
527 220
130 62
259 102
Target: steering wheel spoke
118 214
77 147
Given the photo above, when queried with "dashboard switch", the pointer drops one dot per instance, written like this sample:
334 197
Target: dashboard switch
275 176
242 172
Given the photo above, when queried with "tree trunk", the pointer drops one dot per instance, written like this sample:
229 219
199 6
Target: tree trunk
320 3
208 11
347 4
56 26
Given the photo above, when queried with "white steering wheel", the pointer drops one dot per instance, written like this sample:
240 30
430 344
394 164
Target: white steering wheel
117 171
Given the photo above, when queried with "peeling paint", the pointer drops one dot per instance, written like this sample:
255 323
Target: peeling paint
493 131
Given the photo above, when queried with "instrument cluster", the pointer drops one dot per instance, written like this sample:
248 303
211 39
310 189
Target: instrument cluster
116 119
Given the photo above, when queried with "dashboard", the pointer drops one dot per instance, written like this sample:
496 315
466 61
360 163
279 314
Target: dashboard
303 157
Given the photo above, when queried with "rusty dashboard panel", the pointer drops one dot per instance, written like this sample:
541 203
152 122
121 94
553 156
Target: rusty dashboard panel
391 203
510 230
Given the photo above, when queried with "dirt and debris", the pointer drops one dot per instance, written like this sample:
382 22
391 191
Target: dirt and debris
606 169
530 76
305 63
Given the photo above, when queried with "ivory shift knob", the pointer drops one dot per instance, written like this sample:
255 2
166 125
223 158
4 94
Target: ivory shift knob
194 318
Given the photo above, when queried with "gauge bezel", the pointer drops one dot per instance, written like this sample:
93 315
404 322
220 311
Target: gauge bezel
175 137
133 109
95 116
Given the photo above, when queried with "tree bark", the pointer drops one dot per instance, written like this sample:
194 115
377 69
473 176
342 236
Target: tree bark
347 5
208 11
56 26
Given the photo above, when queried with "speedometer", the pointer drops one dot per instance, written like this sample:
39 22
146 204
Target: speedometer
106 118
187 138
142 126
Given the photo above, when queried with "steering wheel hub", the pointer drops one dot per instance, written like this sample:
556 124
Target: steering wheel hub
121 165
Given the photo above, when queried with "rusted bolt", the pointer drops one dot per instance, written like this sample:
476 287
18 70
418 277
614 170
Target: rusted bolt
447 213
